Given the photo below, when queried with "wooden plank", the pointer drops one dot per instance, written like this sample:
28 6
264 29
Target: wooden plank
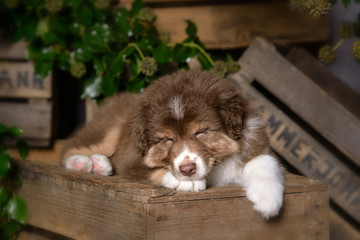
303 152
33 119
261 62
13 51
224 26
318 73
18 80
340 229
86 206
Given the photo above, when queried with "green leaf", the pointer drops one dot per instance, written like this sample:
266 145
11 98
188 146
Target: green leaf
136 7
180 53
3 196
92 88
83 55
191 29
84 15
206 65
116 68
16 209
23 149
95 42
4 149
15 131
4 164
17 179
162 53
43 69
9 227
74 2
109 85
3 128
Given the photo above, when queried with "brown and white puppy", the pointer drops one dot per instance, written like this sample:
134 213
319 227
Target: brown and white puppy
186 131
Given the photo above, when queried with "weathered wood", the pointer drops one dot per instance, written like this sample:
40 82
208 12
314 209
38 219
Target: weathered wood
18 80
86 206
13 51
341 230
224 26
34 119
319 74
301 150
262 63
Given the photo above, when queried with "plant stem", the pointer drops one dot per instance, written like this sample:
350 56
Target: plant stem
198 47
134 45
338 44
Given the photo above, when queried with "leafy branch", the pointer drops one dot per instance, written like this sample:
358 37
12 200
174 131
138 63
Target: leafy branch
13 210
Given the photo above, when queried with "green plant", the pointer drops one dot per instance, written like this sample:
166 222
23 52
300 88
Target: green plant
13 208
109 49
327 54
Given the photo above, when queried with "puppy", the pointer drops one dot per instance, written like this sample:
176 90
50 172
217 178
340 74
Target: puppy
186 131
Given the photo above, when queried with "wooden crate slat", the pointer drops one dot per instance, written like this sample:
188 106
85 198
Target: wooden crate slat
262 63
14 51
71 204
18 80
306 154
33 118
340 229
223 26
319 74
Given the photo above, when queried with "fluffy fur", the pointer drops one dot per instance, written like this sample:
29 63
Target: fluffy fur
186 131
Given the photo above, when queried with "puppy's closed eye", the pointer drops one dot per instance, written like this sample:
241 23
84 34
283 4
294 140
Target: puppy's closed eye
201 133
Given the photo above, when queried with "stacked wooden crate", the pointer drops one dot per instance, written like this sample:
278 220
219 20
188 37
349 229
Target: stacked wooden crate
309 125
25 99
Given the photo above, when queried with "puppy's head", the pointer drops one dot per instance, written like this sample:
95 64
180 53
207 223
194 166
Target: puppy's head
188 122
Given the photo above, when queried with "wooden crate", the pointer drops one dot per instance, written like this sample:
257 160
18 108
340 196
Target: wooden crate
234 24
308 127
26 102
87 206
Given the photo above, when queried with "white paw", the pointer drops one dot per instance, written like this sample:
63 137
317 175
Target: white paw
101 165
266 196
79 162
192 186
170 181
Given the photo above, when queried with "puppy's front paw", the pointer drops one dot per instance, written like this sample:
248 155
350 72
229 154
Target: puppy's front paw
267 197
101 165
192 186
79 162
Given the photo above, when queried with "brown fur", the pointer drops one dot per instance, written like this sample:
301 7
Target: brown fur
141 136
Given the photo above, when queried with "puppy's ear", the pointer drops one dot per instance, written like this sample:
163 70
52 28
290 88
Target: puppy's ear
232 108
139 134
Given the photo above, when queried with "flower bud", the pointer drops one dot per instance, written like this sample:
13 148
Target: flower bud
78 69
327 54
220 68
147 15
356 50
54 6
11 3
346 29
148 66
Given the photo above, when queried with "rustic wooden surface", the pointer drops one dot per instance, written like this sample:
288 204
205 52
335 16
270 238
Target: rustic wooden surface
18 80
33 118
319 74
13 51
338 125
86 206
301 150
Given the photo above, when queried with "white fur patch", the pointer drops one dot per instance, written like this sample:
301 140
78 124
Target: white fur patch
201 168
228 172
101 165
170 181
79 162
177 107
264 184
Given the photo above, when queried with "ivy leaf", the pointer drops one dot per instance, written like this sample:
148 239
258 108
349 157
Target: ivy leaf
10 227
109 86
43 69
3 196
92 88
15 131
136 7
4 164
83 55
206 65
17 179
95 42
84 14
180 53
116 68
162 53
191 29
23 149
16 209
3 128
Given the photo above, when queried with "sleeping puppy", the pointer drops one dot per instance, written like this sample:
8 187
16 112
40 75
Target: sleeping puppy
187 131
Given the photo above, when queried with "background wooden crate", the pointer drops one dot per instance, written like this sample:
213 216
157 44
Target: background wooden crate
88 206
26 102
308 127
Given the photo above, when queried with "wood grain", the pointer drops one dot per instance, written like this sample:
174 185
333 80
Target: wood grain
303 152
224 26
18 80
86 206
338 125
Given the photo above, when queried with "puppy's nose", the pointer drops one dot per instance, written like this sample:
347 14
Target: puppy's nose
188 169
